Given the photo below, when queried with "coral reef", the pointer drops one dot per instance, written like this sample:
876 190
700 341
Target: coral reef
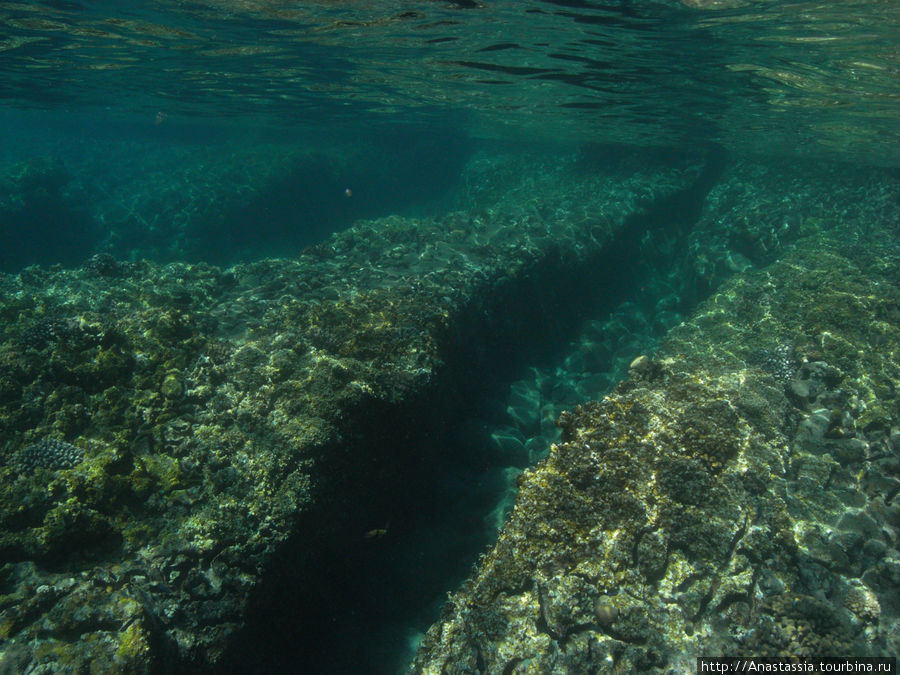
737 498
48 454
216 409
170 433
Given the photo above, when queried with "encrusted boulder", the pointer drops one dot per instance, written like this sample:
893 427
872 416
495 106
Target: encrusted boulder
741 501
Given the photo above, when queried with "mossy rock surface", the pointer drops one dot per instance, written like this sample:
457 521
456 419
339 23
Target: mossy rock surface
213 409
738 498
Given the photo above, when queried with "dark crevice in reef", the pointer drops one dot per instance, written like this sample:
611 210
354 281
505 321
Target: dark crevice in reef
403 489
532 321
364 559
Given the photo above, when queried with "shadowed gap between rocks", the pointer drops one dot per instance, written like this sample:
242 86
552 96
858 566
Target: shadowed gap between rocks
405 494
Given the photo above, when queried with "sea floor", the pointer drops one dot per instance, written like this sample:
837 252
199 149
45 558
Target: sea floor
294 459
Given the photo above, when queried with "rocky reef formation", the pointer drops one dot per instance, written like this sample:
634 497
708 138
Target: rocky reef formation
167 432
181 444
738 494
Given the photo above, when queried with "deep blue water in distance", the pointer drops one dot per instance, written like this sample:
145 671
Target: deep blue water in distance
126 99
134 129
393 99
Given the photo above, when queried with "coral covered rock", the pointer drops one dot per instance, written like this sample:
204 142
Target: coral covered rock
729 505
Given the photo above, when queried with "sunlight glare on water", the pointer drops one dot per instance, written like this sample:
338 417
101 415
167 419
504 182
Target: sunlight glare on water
786 76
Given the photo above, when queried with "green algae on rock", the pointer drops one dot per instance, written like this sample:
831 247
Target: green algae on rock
215 408
724 506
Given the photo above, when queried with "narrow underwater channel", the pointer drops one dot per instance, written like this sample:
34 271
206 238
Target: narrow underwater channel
378 556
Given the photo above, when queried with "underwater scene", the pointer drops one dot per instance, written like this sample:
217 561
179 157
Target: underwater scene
448 336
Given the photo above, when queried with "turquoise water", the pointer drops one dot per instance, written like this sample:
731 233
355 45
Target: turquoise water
232 131
133 103
785 77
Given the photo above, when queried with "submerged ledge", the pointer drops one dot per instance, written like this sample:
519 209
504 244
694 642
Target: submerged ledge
170 432
738 494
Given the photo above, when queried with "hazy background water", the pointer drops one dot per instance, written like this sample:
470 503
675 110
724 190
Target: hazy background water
392 99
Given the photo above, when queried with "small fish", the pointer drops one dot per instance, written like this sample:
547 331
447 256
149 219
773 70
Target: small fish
348 193
378 532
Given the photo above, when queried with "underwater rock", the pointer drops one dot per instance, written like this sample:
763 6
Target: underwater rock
47 454
511 444
231 417
47 331
105 265
641 364
779 361
755 212
525 406
728 515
